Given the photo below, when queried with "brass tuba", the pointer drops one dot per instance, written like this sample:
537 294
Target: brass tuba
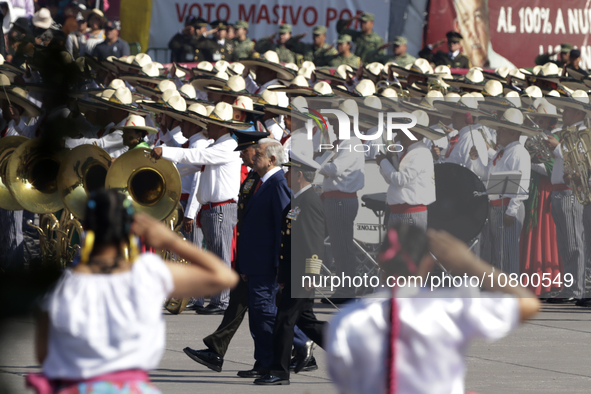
7 146
154 187
576 147
174 222
83 170
31 176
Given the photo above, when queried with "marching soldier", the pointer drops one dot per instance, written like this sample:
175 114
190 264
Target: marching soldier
267 44
316 52
454 58
243 46
344 53
366 41
218 47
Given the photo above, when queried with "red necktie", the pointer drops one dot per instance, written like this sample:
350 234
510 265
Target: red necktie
4 132
452 142
498 156
260 182
186 144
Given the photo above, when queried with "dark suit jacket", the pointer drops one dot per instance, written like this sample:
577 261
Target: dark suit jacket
442 58
305 229
259 238
246 191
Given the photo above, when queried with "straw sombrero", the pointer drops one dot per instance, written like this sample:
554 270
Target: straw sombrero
270 60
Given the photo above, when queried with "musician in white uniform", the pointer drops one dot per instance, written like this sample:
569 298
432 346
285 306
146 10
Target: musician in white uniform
506 213
416 342
343 178
567 211
411 176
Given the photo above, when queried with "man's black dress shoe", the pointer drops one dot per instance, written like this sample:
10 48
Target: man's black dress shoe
311 366
271 380
253 373
303 356
211 310
206 357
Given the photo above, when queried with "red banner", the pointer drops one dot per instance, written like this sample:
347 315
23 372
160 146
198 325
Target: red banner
511 32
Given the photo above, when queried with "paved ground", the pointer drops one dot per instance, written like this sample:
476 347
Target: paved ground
549 355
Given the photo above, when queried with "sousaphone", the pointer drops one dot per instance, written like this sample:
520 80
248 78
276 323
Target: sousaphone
83 170
154 187
31 176
7 146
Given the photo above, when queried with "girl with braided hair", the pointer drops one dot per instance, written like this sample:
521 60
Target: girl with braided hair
102 326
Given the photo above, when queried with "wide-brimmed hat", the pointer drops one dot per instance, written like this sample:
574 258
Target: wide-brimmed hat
578 74
549 72
511 119
339 76
466 104
188 92
474 79
248 138
222 115
270 60
422 127
542 108
351 108
9 69
169 101
297 108
42 19
192 114
133 62
419 67
573 84
17 95
578 100
202 68
298 86
234 86
202 82
161 87
245 103
148 73
492 88
426 103
120 99
136 122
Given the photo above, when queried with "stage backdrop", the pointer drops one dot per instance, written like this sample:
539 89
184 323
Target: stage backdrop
511 32
168 16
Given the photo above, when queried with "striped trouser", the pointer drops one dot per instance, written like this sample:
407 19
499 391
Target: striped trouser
340 214
568 216
587 227
11 239
418 219
217 225
503 242
196 237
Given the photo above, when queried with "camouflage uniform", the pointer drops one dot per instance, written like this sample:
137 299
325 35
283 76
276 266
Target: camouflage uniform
365 44
285 55
317 55
242 49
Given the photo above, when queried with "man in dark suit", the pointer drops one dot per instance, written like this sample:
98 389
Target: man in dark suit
304 225
217 343
218 47
259 241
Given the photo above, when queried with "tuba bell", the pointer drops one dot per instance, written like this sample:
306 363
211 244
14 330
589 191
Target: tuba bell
577 158
7 146
154 187
174 222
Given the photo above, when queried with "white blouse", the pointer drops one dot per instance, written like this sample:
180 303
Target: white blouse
435 331
102 323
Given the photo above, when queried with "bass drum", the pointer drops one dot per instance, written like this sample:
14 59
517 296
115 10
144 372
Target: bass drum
457 210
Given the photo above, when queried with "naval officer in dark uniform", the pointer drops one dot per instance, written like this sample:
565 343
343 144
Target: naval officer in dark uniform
218 47
303 224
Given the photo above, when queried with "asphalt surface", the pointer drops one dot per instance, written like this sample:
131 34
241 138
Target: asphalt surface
550 354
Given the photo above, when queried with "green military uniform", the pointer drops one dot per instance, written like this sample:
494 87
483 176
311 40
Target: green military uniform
545 58
212 51
311 52
402 61
338 59
285 55
243 49
183 48
365 44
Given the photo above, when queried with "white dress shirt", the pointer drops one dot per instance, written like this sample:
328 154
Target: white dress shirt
460 154
220 180
345 172
254 88
414 182
269 174
303 189
435 332
558 169
514 158
276 128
